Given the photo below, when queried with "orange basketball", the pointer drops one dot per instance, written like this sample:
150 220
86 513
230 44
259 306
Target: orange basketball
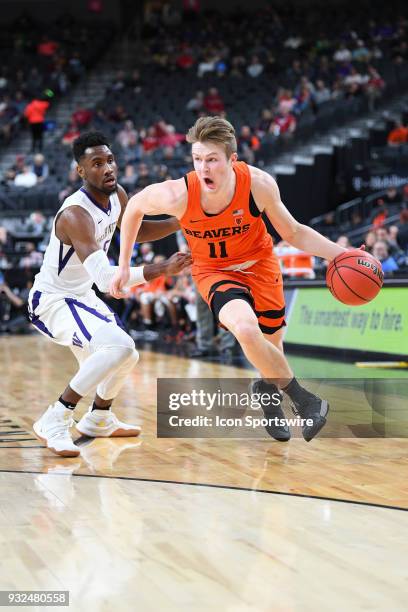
354 277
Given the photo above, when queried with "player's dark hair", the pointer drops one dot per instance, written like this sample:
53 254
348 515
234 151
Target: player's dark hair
86 140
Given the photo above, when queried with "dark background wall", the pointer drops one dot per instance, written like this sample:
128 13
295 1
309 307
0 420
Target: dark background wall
49 10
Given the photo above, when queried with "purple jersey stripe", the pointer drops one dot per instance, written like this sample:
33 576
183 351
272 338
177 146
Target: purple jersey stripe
35 319
88 309
40 325
62 261
36 300
78 319
117 318
73 305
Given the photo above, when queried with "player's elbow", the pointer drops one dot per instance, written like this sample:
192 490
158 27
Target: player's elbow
291 232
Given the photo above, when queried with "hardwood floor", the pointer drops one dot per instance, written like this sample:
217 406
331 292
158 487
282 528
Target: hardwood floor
256 525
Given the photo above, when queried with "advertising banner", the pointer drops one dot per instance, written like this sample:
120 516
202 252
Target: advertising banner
315 318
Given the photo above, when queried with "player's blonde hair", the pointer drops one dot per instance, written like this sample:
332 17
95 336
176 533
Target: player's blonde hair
214 129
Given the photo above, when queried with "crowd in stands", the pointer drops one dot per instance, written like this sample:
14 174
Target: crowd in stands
261 70
41 61
268 72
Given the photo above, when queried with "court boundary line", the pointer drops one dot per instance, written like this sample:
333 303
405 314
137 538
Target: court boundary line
214 486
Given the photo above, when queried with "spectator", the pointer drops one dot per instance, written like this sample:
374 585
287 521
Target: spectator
403 229
380 252
206 65
13 308
144 177
394 246
369 240
343 241
26 178
248 144
82 117
354 82
11 173
185 59
32 258
129 178
342 54
127 137
119 82
40 167
237 66
6 245
398 135
286 100
35 114
213 103
70 135
255 68
150 142
284 124
374 87
361 53
391 197
196 104
322 93
73 184
119 114
146 252
47 47
100 120
405 196
36 223
303 100
265 123
134 81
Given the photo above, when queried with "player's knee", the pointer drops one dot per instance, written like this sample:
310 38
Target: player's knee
119 345
133 359
245 330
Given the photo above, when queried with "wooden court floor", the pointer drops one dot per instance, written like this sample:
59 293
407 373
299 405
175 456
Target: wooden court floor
194 524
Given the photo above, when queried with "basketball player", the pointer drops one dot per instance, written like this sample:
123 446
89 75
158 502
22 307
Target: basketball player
63 306
219 206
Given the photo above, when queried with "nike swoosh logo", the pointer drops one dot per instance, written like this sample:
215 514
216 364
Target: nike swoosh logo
100 221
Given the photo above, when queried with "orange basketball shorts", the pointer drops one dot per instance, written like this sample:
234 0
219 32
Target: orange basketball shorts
261 286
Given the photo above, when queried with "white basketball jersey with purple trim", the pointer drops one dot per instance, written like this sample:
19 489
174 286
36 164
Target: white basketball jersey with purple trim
62 271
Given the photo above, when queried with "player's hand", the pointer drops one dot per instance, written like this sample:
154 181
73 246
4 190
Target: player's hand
177 263
118 282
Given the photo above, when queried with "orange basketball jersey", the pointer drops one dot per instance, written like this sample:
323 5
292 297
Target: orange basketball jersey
234 236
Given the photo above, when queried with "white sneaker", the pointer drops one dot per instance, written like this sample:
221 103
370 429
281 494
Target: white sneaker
105 424
53 429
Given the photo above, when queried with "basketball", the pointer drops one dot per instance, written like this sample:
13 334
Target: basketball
355 277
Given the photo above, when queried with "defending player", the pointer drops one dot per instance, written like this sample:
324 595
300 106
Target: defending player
219 206
63 306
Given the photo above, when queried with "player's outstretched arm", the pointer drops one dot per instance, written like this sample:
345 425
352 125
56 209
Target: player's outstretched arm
155 230
76 227
267 197
149 230
174 265
152 200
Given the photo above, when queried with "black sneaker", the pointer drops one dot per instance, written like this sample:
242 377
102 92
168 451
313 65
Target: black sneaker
314 408
278 431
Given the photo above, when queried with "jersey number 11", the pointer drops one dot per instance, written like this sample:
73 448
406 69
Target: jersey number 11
213 249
